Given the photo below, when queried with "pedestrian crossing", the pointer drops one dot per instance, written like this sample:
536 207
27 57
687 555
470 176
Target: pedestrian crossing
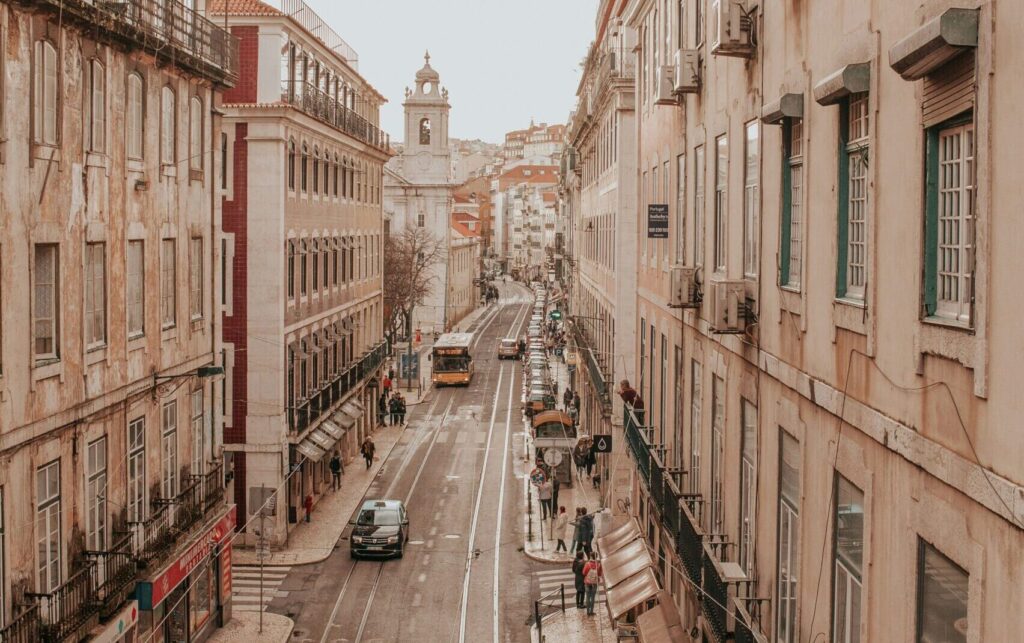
245 583
549 580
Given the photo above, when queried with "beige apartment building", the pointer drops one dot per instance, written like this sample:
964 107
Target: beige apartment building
827 340
602 134
303 230
109 332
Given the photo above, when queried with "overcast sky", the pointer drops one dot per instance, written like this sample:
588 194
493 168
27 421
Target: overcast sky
503 61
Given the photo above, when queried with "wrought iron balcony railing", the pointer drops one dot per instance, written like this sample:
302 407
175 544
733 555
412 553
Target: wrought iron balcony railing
324 107
116 570
153 537
25 627
71 607
322 402
168 29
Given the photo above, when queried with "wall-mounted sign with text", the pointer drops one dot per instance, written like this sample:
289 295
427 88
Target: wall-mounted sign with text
657 221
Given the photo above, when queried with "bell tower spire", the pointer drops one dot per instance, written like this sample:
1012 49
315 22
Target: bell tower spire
426 154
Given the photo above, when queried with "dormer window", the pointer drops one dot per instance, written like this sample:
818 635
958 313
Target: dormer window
425 131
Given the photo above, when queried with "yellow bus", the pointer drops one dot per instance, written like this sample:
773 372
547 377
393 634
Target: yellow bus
451 361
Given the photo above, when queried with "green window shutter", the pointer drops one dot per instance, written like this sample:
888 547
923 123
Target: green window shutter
842 199
931 219
785 220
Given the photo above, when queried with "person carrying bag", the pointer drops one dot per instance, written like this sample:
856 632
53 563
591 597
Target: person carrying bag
592 575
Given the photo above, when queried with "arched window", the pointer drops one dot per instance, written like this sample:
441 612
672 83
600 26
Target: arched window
304 170
291 165
335 175
327 173
425 131
135 117
45 95
97 130
316 170
167 126
195 133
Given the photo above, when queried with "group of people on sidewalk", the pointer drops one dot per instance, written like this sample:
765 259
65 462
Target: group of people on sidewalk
391 405
587 575
571 404
583 530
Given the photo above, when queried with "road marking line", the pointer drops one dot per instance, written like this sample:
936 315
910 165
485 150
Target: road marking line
501 505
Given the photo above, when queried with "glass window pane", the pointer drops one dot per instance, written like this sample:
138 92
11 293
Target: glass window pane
942 599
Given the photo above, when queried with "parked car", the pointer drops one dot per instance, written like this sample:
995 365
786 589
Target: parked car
381 528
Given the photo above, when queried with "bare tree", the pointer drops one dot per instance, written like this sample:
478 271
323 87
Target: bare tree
408 278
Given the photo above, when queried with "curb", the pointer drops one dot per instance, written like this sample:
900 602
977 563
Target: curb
534 557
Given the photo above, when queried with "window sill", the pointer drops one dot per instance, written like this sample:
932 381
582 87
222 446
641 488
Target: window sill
96 159
944 338
46 152
95 354
135 166
168 333
951 324
136 342
48 368
197 323
168 170
850 314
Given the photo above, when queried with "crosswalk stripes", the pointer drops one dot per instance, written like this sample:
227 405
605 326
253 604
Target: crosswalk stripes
245 583
551 580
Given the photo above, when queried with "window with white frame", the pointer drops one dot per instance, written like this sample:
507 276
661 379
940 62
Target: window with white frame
169 450
304 169
45 302
856 205
698 205
954 256
680 241
135 117
721 216
661 388
848 531
792 246
96 131
751 198
195 133
291 165
748 487
196 278
136 470
96 495
696 371
942 596
676 456
666 186
168 283
168 125
198 433
291 268
45 95
135 288
787 627
716 523
48 532
95 295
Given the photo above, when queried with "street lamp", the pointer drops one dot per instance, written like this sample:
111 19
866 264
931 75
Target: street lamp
203 372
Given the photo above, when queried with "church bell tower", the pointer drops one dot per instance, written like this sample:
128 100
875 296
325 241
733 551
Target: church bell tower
426 156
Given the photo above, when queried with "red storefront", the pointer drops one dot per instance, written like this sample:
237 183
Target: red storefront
186 600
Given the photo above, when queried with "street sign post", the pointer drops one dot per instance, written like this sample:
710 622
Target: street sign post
553 457
602 444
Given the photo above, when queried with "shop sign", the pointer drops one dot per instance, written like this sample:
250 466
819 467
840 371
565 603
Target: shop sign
657 221
121 626
152 593
225 572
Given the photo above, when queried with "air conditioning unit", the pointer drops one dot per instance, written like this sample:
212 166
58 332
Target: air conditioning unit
685 289
728 306
687 72
733 30
666 80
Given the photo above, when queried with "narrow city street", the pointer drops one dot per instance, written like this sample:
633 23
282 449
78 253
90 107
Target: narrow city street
458 466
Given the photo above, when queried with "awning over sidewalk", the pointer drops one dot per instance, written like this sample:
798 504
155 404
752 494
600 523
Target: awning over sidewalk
631 592
332 429
626 562
345 421
661 623
310 450
618 537
321 439
353 409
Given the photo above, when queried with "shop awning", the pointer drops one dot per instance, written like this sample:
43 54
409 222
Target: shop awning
631 592
352 409
332 429
626 562
618 537
661 623
321 439
849 79
345 421
310 450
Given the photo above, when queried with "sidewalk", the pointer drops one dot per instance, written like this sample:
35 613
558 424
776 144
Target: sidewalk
314 541
574 626
244 627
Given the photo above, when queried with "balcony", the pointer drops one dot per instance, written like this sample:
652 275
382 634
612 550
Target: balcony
116 570
322 402
25 627
167 29
315 102
71 609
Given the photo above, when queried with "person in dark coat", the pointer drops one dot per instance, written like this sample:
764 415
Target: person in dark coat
335 472
382 408
368 448
577 572
393 407
586 531
567 398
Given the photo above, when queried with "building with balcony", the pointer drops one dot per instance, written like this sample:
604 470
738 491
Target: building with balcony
303 242
602 307
826 449
109 343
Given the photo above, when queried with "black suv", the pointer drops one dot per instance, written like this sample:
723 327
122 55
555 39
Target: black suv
380 529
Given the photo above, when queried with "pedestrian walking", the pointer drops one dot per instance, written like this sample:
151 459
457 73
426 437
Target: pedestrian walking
401 409
567 398
382 408
368 448
586 530
544 494
579 458
577 571
591 460
592 575
386 384
393 409
308 504
335 465
576 402
561 528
